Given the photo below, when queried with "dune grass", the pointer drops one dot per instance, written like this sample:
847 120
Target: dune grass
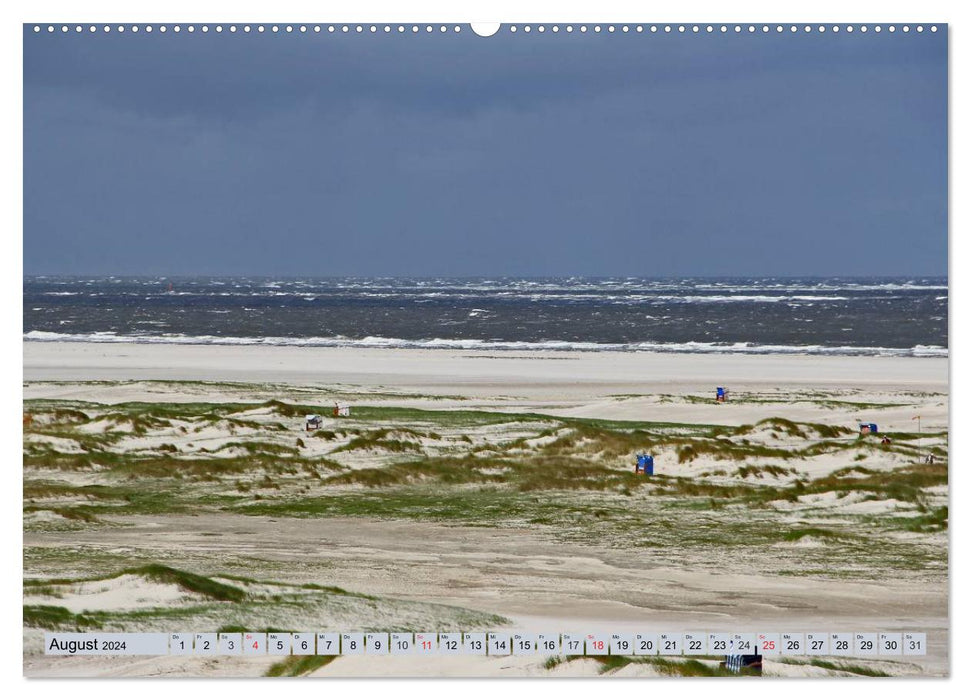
934 520
155 572
842 666
295 666
798 533
686 668
483 468
370 443
79 514
52 617
855 669
189 582
526 474
264 606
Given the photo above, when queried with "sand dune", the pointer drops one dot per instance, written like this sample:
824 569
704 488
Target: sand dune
481 520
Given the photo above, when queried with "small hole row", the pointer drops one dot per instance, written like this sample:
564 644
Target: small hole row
709 28
257 28
442 29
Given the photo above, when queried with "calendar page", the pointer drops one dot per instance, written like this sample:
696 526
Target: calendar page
547 349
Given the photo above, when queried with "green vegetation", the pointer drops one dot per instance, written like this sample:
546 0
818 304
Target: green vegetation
759 472
932 521
820 399
379 440
841 666
51 617
298 666
153 572
571 478
79 514
261 391
250 605
798 533
670 666
190 582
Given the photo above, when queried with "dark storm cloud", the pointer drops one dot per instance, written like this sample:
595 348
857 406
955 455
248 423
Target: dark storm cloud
520 155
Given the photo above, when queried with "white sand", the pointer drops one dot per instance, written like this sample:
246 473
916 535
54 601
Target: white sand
522 574
479 373
126 592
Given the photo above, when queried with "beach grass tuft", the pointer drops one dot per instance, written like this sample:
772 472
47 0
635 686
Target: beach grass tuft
190 582
52 617
295 666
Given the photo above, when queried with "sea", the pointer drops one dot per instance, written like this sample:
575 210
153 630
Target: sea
891 316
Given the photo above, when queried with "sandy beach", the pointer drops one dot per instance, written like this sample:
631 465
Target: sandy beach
482 490
477 373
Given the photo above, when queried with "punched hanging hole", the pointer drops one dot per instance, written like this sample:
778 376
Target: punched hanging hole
485 28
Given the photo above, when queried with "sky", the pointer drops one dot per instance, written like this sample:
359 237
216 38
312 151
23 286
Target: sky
517 154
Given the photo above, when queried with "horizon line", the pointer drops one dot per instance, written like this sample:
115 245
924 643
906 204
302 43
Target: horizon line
474 276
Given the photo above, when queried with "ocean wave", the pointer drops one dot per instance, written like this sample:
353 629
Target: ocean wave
494 345
606 296
457 286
